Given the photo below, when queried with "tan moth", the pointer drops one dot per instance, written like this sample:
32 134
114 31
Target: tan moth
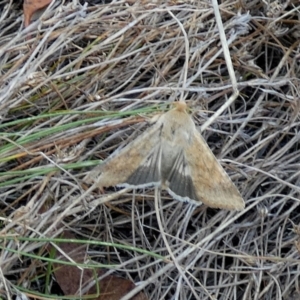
173 155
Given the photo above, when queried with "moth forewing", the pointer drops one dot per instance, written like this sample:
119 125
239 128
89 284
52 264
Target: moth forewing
149 170
124 164
213 186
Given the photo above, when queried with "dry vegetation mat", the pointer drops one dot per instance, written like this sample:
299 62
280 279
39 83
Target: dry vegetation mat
83 79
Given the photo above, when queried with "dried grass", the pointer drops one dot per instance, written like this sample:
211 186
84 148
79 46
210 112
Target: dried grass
81 85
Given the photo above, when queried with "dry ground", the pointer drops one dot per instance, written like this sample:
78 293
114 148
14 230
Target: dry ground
84 80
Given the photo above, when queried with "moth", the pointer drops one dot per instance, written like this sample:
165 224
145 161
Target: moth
173 155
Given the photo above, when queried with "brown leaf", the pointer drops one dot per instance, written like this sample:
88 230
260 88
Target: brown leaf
71 278
30 7
114 288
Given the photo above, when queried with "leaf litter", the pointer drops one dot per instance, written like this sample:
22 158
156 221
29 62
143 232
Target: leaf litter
79 81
